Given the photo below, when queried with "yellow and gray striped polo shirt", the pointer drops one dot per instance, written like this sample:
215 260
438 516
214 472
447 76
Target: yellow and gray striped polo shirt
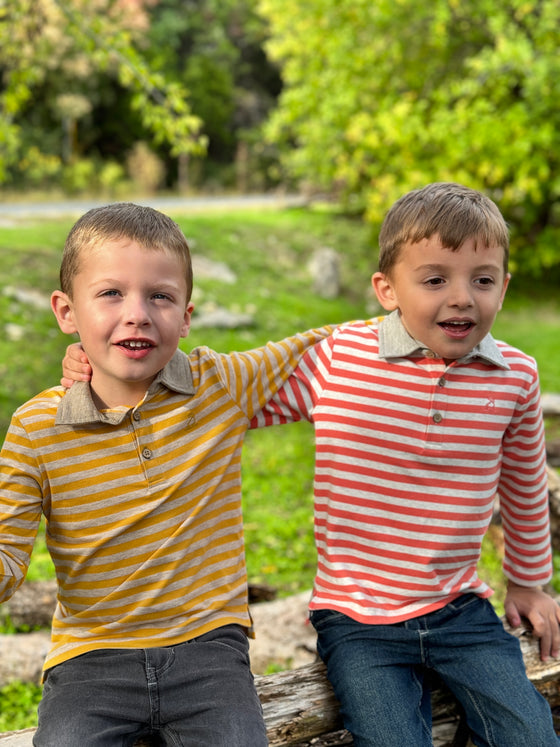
142 504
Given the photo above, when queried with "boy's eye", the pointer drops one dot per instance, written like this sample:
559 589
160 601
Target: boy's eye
434 281
164 296
485 281
111 292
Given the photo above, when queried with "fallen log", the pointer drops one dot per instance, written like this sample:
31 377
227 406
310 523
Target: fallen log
299 705
550 404
554 504
551 412
300 709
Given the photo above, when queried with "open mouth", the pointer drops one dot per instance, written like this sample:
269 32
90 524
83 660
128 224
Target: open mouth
456 327
135 344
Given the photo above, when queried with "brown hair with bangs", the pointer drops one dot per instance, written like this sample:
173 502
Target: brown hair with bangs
454 212
150 228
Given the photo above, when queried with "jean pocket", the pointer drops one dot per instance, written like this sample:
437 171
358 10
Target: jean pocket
232 637
322 618
465 601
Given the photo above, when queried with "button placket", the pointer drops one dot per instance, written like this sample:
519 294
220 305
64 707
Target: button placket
439 399
146 452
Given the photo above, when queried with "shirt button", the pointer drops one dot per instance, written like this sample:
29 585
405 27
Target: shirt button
147 453
441 382
136 415
438 417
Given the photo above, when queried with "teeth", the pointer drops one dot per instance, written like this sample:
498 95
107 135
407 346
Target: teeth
136 344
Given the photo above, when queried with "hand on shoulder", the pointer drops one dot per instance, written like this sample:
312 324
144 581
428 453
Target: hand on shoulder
75 366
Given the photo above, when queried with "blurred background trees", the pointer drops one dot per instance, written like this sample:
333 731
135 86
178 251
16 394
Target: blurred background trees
355 100
381 97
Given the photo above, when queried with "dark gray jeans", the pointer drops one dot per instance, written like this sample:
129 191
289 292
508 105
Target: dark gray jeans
197 694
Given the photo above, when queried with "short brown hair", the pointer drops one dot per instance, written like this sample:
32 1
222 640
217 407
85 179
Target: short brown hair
454 212
150 228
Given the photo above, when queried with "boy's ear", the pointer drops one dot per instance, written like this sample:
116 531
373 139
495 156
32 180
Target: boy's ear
384 291
185 329
507 278
63 310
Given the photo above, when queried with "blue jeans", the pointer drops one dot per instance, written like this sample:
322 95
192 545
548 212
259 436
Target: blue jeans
379 674
200 693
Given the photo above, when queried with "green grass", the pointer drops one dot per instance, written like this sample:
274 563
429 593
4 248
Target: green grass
18 705
278 501
535 328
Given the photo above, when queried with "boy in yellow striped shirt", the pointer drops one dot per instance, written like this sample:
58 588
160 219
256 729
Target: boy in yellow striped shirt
138 476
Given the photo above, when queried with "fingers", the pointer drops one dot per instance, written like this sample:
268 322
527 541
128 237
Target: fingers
555 644
547 630
75 366
542 612
512 615
545 644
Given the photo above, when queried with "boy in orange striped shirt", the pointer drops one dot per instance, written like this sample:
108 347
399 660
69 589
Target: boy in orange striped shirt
421 418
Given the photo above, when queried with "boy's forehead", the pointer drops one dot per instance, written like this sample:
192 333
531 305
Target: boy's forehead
427 249
435 242
122 244
120 241
114 252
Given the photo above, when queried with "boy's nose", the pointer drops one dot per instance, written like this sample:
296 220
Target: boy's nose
460 295
136 312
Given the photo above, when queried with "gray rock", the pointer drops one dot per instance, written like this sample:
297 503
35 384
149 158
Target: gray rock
324 268
221 318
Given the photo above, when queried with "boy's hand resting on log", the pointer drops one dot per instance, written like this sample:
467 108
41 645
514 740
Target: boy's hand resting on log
541 610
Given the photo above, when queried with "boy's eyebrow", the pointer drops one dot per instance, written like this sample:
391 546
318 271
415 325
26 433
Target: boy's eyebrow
152 283
487 267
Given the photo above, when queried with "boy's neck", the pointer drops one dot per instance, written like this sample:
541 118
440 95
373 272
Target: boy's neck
123 396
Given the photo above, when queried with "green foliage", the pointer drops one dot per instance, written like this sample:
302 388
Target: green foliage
82 82
145 168
214 48
18 705
57 56
162 104
383 97
208 68
490 566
